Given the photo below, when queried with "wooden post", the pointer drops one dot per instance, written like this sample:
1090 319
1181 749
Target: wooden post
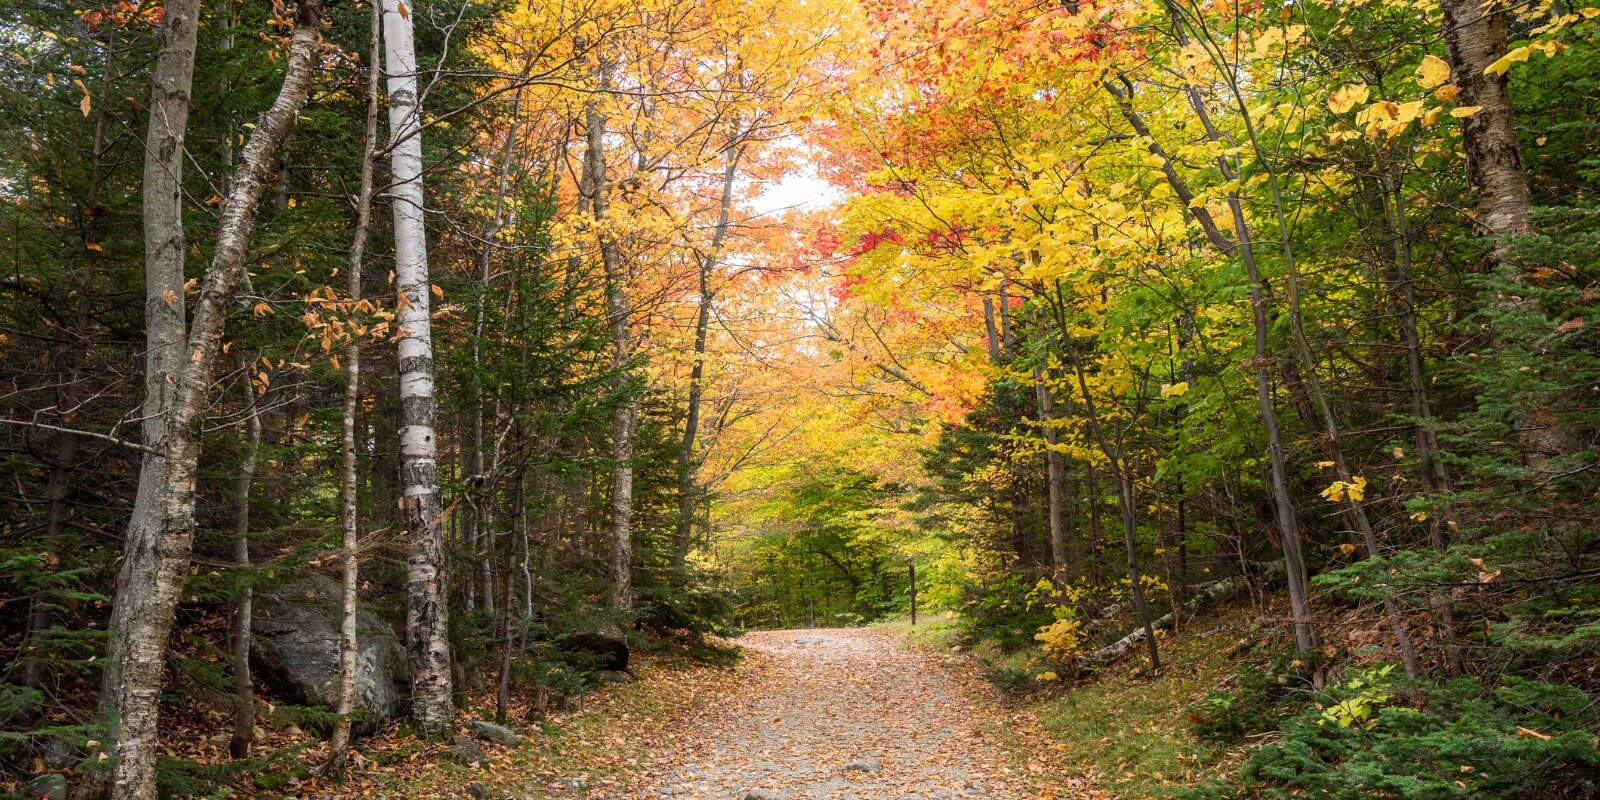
912 569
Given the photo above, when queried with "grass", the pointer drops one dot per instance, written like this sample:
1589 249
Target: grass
1125 733
1129 734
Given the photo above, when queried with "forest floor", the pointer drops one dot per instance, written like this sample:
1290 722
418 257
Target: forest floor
805 715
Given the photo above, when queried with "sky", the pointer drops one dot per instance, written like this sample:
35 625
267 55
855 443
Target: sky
802 189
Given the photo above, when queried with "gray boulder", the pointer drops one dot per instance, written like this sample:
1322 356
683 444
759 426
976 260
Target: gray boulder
494 734
466 751
296 650
864 765
46 787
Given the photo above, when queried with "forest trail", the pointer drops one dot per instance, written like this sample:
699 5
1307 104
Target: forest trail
837 715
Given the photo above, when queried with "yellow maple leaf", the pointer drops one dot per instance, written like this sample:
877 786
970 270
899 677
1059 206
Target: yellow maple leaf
1462 112
1347 97
1432 72
1178 389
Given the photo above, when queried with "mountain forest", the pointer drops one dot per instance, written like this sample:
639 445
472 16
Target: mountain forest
799 399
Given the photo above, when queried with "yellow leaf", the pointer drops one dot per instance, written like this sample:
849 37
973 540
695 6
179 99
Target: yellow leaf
1447 92
1589 13
1324 464
405 13
83 105
1347 97
1419 516
1462 112
1432 72
1347 549
94 246
1178 389
1047 676
1358 488
1408 111
437 292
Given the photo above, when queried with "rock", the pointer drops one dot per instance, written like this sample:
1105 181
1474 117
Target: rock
46 787
609 650
572 784
57 753
864 765
494 734
477 790
762 794
465 751
296 651
609 676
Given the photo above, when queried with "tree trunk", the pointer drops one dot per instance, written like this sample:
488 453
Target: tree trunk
427 617
1127 501
349 486
1305 633
1475 37
502 696
156 556
170 86
702 324
624 419
479 536
244 721
1065 567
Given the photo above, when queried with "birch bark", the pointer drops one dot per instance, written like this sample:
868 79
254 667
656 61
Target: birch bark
427 618
156 556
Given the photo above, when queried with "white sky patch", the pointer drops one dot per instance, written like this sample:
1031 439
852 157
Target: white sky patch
802 190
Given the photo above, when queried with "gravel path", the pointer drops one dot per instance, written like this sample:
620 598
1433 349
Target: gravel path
837 714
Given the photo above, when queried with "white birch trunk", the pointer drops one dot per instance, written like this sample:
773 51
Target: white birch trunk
170 86
156 557
427 618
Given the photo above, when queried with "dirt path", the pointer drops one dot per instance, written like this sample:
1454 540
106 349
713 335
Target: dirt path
837 714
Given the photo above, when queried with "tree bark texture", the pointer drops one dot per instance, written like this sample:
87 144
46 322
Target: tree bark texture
427 615
156 556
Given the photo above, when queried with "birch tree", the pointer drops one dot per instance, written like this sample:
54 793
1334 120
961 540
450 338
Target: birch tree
157 552
427 615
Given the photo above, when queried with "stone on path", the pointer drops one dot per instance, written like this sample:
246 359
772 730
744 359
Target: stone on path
494 734
864 765
762 794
